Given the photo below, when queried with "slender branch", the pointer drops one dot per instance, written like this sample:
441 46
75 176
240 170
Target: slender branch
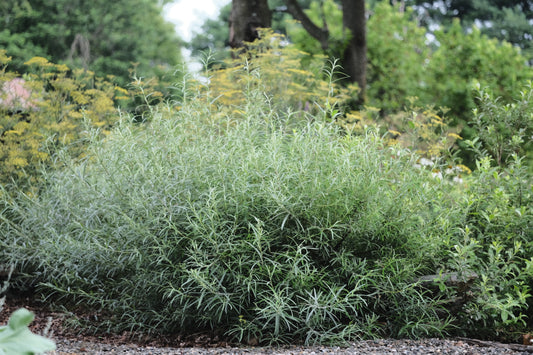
321 34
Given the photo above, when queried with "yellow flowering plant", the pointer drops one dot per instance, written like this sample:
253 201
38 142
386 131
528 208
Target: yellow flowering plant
48 109
273 67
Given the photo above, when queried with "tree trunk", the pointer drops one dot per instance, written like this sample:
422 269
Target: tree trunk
354 22
246 17
354 60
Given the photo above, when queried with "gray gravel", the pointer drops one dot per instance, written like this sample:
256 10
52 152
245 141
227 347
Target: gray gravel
386 346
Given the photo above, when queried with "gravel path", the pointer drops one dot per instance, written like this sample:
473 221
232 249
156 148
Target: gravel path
386 346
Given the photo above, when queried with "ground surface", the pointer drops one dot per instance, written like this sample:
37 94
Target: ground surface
72 341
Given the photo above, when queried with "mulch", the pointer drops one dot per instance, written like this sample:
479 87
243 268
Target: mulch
57 325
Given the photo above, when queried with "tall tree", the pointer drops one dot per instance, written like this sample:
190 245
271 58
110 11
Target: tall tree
247 15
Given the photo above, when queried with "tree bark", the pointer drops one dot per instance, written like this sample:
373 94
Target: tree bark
246 17
354 60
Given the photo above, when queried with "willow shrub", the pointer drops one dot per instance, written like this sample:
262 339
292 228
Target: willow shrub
239 224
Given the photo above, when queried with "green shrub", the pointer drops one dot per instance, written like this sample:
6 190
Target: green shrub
495 242
464 58
503 129
397 58
270 225
239 224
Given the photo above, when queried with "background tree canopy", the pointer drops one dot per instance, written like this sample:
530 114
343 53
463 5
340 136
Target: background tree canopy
105 37
508 20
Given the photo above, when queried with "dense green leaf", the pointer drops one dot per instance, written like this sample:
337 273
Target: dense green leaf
17 339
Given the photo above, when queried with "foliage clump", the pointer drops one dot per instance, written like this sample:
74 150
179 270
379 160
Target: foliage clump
495 243
398 56
237 209
272 67
503 130
103 37
465 58
47 109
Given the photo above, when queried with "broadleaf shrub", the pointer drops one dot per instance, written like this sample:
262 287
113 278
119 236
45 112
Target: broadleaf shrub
503 129
15 337
495 243
463 58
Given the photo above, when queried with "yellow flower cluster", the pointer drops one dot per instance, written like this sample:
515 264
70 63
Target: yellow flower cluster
45 110
274 68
